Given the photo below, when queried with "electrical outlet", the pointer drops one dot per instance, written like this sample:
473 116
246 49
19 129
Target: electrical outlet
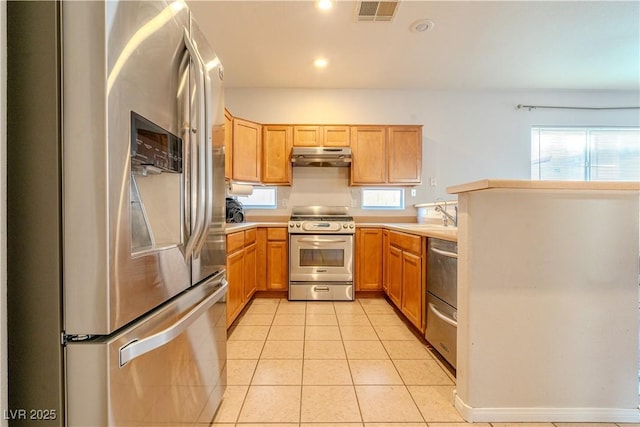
354 203
285 203
433 181
413 192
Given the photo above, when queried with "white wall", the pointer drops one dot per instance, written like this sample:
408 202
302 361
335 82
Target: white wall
466 135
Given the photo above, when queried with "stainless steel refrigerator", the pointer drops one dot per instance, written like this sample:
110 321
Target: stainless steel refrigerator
116 248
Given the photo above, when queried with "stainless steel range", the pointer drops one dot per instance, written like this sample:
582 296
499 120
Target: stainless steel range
321 253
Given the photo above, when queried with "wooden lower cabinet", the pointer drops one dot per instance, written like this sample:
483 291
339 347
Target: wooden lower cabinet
412 288
368 259
241 271
250 271
385 261
235 277
394 268
277 266
404 274
273 259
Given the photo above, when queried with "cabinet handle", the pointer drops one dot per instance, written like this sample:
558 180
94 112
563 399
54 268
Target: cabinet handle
321 289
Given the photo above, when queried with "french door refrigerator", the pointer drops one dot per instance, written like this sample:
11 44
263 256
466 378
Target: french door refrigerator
116 249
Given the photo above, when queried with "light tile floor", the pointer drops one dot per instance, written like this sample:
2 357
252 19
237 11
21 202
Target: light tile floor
337 364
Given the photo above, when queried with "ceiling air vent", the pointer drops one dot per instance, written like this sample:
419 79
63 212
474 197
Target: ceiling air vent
376 10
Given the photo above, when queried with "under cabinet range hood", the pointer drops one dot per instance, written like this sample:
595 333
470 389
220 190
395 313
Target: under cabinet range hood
321 156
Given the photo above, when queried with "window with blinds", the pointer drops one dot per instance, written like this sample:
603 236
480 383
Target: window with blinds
585 154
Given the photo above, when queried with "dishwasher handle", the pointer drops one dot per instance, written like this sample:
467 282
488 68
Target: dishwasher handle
442 316
445 253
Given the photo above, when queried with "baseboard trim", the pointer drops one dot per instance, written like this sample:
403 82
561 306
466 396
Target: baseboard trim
602 415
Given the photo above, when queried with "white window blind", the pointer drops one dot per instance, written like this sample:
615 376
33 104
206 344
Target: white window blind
585 154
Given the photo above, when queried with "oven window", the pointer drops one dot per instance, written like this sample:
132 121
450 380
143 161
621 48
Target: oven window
321 257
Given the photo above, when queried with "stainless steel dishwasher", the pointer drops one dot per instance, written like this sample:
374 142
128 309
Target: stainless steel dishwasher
442 293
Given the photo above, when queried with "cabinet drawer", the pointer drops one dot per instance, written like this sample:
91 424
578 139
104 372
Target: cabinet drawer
250 236
406 242
235 241
276 234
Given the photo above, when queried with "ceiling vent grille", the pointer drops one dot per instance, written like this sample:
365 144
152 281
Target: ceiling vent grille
371 11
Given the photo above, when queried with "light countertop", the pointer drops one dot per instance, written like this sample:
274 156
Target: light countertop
427 230
233 227
487 184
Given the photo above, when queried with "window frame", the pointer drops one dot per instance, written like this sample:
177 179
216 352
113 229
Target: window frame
381 207
250 206
590 150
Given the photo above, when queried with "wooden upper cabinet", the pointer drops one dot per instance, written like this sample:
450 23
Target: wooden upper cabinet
247 150
386 155
307 136
368 147
228 144
404 154
336 136
276 154
321 136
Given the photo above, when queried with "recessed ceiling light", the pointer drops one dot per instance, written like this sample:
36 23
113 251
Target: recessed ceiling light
324 4
422 25
321 63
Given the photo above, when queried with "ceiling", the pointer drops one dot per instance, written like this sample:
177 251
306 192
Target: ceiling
474 45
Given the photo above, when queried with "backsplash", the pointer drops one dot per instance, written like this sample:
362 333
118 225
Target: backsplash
329 187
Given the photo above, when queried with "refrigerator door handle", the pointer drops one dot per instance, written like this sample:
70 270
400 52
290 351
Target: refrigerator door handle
137 348
199 165
208 151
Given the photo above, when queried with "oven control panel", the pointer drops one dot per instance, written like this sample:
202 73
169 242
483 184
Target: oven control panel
321 227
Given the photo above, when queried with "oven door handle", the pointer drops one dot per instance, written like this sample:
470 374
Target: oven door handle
318 241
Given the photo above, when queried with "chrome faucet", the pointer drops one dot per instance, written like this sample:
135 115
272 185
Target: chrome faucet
446 215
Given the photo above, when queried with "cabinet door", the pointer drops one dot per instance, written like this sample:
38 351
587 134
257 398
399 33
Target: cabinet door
369 259
277 266
336 136
228 145
412 288
261 259
395 275
235 277
368 147
385 261
250 259
307 136
247 151
276 154
404 150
